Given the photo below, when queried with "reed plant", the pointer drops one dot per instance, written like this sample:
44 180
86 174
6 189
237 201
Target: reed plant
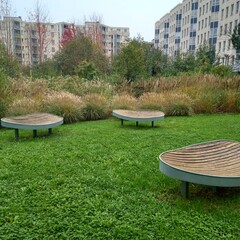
95 107
152 100
125 101
24 105
64 104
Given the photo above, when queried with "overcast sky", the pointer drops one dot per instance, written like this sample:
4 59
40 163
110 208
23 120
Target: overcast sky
139 15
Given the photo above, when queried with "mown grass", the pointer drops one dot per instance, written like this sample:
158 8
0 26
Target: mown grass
101 180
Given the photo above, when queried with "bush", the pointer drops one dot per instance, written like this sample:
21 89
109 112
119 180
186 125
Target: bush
3 108
66 105
177 105
23 106
86 70
153 101
124 101
95 107
222 71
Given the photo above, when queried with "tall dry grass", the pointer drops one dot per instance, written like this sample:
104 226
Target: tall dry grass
66 105
95 107
24 105
125 101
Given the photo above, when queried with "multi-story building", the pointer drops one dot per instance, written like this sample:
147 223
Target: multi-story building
24 40
193 23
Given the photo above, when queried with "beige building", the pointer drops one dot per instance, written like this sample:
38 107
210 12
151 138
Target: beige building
199 22
22 39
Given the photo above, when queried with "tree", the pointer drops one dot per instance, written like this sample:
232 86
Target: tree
6 31
39 16
68 34
93 30
79 50
8 64
205 57
235 39
130 62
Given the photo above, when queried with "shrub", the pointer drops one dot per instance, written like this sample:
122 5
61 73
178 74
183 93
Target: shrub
23 106
176 104
204 103
222 71
2 108
124 101
26 87
153 101
95 107
86 70
66 105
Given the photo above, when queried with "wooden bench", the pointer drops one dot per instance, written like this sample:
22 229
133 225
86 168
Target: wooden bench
33 122
214 163
138 115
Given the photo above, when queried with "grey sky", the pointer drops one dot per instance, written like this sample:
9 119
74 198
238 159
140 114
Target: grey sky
139 15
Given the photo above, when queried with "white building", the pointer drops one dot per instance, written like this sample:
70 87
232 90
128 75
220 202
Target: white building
195 22
22 39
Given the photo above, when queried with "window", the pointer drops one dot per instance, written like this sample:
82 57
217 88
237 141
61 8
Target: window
230 27
215 6
177 40
206 7
214 24
178 29
227 12
225 29
195 6
192 34
237 7
212 41
219 46
157 31
222 14
166 25
221 30
232 8
193 20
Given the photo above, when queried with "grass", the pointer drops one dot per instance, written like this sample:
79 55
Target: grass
101 180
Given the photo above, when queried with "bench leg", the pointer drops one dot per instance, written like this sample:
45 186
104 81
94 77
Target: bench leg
185 189
121 121
16 134
152 123
50 131
137 124
34 133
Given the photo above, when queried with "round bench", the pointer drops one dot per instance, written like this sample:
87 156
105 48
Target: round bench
138 115
214 163
33 122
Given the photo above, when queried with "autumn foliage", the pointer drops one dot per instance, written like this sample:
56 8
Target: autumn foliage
68 35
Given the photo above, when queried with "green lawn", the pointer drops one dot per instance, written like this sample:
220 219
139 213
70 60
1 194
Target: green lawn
101 180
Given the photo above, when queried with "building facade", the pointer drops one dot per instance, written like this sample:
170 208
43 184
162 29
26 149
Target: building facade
32 45
193 23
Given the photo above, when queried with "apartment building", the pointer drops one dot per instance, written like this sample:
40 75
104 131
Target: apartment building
194 22
22 38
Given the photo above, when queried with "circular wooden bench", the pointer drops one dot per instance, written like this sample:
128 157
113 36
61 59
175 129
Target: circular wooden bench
33 122
214 163
138 115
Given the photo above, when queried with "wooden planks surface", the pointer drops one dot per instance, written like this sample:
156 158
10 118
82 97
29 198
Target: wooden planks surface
36 120
146 115
215 158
